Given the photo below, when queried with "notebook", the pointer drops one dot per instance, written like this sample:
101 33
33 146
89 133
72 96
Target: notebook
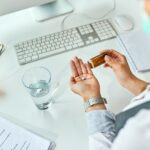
13 137
137 47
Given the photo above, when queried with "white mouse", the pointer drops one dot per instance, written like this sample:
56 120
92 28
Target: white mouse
124 23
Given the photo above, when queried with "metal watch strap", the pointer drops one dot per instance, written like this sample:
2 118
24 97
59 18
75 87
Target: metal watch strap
94 101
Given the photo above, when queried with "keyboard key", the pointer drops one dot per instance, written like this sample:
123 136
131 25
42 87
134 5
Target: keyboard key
22 61
60 49
19 50
68 47
75 46
87 42
35 57
44 50
30 54
48 49
96 40
43 55
20 53
20 57
90 38
28 59
39 52
81 44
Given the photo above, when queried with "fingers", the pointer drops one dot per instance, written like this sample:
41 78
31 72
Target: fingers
78 66
74 69
112 53
109 61
106 65
106 51
113 57
89 69
83 67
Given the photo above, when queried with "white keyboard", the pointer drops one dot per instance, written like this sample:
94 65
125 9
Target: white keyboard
65 41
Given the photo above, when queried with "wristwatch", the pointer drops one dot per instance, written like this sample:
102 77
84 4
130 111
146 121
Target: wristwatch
94 101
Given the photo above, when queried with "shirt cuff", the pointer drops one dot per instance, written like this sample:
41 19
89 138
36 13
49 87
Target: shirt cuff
142 95
102 121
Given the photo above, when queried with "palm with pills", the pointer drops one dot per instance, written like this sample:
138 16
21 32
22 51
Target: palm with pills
82 81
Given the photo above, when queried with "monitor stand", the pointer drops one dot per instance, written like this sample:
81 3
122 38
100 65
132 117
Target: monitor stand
51 10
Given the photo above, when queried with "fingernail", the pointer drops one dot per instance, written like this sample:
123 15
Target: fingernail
74 57
107 58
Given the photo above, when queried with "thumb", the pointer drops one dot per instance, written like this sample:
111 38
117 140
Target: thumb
109 61
72 81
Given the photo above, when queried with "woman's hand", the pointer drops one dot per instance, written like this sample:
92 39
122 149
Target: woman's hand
126 78
147 6
83 82
119 65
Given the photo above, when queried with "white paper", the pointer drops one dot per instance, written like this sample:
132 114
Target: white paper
137 46
13 137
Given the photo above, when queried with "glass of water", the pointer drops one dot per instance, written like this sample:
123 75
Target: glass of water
38 82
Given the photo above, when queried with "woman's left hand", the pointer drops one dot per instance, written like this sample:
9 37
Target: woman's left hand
82 81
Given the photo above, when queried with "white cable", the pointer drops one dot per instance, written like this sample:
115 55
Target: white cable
111 10
63 21
66 17
85 15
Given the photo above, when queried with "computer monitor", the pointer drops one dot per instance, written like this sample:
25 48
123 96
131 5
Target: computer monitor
41 9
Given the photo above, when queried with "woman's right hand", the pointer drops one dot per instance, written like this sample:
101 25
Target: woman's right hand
120 67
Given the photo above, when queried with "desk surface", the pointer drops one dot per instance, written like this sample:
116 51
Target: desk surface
66 118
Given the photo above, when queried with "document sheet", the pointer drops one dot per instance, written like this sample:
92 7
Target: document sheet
13 137
137 46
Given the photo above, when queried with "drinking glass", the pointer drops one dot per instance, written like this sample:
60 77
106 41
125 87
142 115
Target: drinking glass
37 80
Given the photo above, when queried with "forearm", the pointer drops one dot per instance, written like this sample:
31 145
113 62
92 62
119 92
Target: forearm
135 85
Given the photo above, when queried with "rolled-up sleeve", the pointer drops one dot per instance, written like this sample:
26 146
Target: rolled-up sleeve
101 121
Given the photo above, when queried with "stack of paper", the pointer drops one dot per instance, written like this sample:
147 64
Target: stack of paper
137 46
13 137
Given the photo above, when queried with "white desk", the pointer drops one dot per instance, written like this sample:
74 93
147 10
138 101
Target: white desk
66 117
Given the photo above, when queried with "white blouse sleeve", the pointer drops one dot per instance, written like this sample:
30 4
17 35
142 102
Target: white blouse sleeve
101 126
